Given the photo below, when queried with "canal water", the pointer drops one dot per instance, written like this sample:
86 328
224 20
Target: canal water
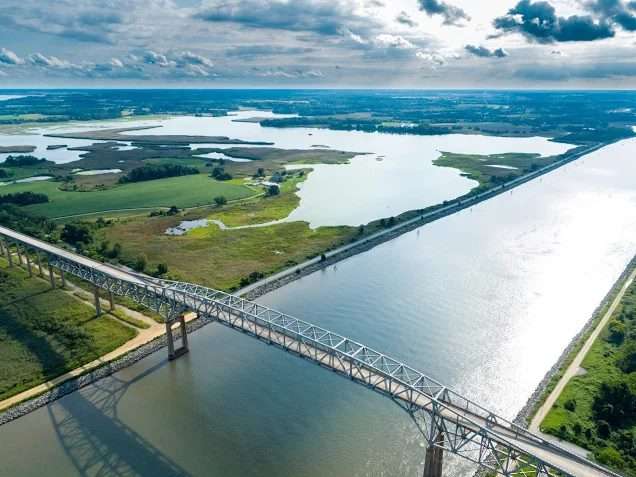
484 301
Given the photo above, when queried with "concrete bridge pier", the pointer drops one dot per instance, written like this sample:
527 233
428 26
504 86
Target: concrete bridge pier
174 353
39 259
28 262
7 251
98 305
434 457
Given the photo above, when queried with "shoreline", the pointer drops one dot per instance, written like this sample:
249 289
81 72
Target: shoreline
289 275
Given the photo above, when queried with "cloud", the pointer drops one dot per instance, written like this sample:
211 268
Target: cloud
452 15
393 41
8 57
289 74
151 57
89 20
434 59
324 17
189 58
538 21
615 11
484 52
38 59
116 62
405 19
256 51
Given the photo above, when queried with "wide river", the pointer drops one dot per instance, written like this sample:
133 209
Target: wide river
396 176
484 300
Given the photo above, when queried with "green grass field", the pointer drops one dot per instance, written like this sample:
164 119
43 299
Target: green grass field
480 168
44 332
185 191
583 415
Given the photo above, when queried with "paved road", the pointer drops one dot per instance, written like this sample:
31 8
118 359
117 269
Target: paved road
575 366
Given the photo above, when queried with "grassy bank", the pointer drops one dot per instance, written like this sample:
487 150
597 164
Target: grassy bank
494 169
597 408
45 333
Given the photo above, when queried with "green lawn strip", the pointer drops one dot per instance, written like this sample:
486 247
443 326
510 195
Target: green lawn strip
184 191
123 316
45 333
577 419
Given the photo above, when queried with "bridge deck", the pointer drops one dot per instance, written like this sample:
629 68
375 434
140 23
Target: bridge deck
470 430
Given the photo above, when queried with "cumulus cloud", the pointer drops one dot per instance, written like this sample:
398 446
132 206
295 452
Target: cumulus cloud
189 58
452 15
8 57
539 22
434 59
483 52
116 62
325 17
393 41
153 58
38 59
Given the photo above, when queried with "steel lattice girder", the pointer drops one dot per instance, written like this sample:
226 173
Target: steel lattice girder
469 430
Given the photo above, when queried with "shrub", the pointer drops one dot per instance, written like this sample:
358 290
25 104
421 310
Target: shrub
24 198
150 172
609 456
616 332
220 200
219 174
570 405
76 234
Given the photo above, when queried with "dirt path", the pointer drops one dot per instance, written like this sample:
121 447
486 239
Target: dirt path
575 367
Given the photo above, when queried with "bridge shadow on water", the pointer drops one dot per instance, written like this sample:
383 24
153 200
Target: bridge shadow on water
86 422
98 443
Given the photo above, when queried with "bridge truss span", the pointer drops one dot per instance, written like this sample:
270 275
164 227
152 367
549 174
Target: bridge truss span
447 420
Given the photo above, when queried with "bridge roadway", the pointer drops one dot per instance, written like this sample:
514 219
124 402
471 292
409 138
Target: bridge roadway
446 419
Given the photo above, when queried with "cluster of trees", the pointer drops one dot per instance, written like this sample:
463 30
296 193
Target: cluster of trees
4 174
23 160
157 171
251 278
219 174
606 424
24 198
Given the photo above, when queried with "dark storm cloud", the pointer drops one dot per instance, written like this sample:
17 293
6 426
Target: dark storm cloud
484 52
539 22
615 11
324 17
452 15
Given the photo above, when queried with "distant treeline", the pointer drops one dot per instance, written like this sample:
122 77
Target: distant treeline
367 125
23 160
24 198
151 172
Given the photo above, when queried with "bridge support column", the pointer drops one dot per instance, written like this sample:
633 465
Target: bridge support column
174 353
434 458
51 276
7 249
39 259
63 278
28 262
111 301
98 305
17 249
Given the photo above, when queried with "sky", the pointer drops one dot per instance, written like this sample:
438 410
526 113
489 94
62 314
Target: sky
318 43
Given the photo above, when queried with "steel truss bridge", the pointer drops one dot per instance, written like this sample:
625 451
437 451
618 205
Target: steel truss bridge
448 421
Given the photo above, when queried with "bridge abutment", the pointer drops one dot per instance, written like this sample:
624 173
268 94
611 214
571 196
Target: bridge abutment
434 457
174 353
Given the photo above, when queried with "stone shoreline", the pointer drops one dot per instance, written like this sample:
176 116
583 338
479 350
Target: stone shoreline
525 415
